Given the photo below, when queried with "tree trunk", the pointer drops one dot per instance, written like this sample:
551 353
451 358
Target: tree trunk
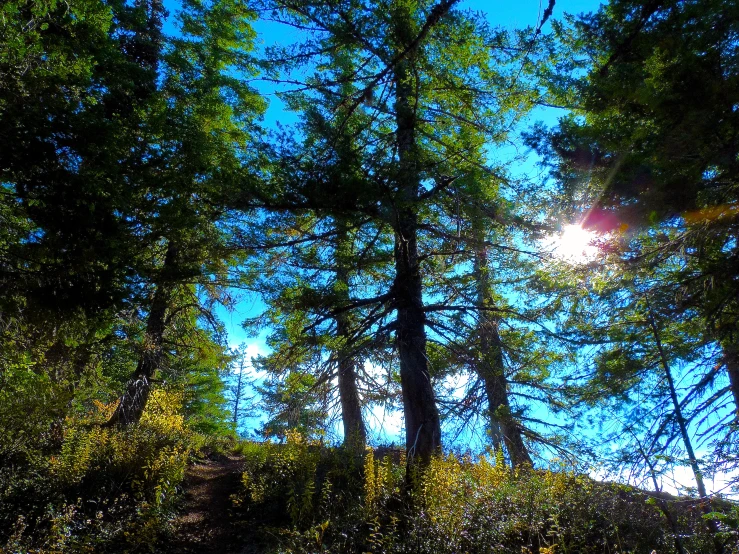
491 367
682 425
132 403
731 361
355 434
238 392
422 425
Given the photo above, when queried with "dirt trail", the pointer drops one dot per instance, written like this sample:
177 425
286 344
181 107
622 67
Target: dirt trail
206 523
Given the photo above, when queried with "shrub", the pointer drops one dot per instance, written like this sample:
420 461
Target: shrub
281 477
457 504
109 488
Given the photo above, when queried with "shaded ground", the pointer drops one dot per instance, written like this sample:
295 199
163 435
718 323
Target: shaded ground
206 522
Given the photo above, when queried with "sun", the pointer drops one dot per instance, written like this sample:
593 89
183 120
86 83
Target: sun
574 244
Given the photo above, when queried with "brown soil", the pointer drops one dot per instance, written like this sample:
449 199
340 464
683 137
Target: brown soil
206 523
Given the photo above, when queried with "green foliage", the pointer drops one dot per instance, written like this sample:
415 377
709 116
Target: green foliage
135 192
458 504
104 488
200 369
283 478
120 140
294 403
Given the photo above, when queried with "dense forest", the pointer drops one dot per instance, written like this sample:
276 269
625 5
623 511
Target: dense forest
521 243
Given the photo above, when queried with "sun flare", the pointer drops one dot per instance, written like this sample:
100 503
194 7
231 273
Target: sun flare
574 244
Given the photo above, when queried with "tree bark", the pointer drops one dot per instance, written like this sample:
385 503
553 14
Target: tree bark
422 425
491 368
355 434
731 361
131 405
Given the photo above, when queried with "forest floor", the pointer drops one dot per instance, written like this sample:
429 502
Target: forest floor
206 522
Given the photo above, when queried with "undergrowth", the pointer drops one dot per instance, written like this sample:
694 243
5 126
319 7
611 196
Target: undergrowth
94 488
308 498
85 487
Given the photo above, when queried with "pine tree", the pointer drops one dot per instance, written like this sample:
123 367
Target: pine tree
239 386
651 142
413 68
193 160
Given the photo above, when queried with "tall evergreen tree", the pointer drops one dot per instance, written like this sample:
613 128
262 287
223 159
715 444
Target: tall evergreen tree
195 143
409 86
652 141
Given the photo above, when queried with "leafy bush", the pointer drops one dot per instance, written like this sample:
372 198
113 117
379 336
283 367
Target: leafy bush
106 488
483 506
282 477
458 504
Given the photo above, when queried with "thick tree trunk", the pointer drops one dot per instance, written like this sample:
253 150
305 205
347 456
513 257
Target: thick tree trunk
355 435
422 425
496 389
132 403
491 367
731 360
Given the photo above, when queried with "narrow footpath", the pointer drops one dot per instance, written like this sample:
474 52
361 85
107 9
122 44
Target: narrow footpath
206 521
